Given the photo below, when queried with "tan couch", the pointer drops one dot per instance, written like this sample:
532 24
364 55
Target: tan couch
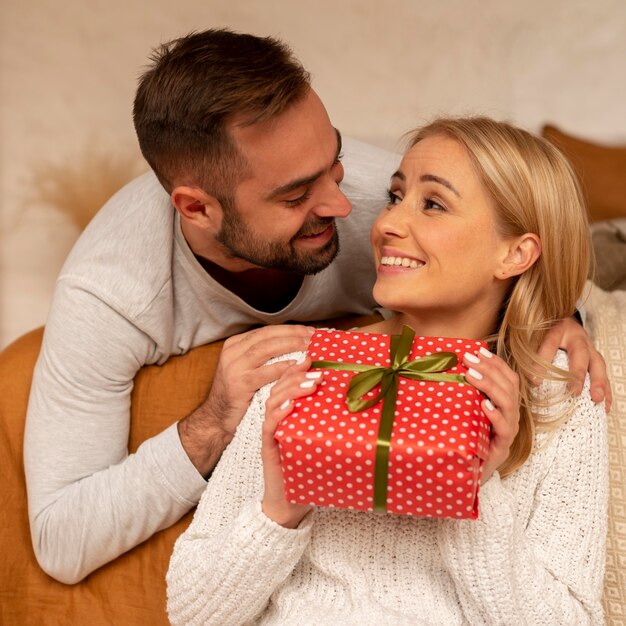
131 590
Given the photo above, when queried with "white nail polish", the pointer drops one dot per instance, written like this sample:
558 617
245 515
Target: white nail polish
313 374
473 373
472 358
284 405
489 405
307 384
485 352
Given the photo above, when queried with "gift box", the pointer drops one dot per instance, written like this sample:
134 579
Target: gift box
393 427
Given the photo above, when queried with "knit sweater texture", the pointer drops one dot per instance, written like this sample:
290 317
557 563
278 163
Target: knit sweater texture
535 555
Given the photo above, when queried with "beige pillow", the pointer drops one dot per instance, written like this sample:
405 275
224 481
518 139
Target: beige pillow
606 322
609 244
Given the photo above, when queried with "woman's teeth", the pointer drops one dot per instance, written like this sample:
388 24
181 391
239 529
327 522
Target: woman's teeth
401 261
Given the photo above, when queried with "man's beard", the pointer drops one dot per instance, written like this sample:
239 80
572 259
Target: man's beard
243 243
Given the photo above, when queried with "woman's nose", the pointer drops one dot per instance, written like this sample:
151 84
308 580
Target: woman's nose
393 221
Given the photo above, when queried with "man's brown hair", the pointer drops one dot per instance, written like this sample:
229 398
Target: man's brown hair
194 88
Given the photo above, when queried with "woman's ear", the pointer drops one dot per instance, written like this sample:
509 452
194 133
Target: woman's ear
196 206
521 254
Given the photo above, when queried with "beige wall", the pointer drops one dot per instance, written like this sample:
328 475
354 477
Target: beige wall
68 70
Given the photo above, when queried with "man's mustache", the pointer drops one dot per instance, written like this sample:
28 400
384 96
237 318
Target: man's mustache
314 227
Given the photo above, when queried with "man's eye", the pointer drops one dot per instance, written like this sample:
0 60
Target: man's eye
299 200
394 198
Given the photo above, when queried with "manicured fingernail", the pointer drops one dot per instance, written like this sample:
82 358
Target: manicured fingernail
489 405
472 358
596 392
285 404
474 374
313 374
485 352
307 384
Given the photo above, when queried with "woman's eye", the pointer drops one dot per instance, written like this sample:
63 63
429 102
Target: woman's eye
394 198
433 205
299 200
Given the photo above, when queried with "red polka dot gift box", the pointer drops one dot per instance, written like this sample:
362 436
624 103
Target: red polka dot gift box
393 426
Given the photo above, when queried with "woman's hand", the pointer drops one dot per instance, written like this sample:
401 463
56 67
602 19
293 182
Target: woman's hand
491 375
294 383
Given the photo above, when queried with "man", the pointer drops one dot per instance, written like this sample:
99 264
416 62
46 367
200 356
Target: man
235 227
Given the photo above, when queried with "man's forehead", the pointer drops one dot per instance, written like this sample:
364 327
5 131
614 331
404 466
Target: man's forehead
296 144
281 172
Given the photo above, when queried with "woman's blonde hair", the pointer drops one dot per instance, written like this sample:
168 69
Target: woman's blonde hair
535 191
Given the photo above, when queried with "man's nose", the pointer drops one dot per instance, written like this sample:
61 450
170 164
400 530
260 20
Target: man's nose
334 203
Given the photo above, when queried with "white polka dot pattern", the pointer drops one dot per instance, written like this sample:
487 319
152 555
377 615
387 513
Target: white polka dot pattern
440 435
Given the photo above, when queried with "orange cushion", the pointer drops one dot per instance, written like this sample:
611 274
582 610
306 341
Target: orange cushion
601 169
131 590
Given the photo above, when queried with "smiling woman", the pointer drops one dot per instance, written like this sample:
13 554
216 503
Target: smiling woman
480 200
465 248
448 255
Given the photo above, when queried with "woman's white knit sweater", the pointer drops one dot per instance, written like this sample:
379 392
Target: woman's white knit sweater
534 556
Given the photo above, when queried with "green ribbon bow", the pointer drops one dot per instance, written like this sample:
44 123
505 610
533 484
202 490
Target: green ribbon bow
424 368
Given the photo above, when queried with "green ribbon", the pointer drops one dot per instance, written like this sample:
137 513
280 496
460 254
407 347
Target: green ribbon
424 368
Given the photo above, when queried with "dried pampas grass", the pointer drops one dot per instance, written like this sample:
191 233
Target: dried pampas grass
79 188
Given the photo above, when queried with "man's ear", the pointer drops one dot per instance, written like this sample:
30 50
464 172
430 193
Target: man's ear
196 206
521 254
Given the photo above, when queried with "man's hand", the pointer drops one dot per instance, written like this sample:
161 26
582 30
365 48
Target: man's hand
570 336
241 371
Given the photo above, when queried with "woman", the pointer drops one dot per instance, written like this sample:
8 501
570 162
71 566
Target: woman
484 236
